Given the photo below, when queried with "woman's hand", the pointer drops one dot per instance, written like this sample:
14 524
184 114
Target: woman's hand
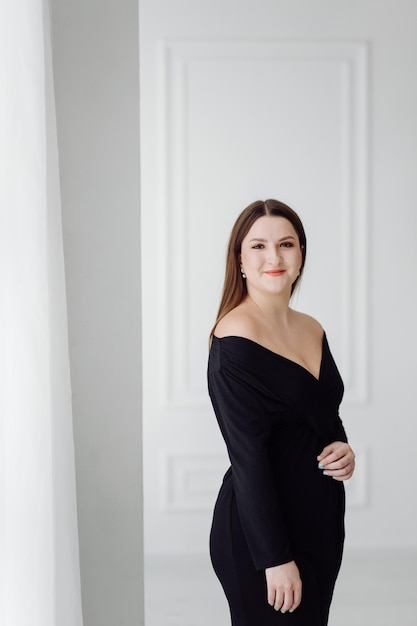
284 587
337 460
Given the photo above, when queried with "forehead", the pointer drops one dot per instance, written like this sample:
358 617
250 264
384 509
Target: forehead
271 227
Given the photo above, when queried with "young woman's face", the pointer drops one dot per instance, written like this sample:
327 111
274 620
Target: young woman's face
271 255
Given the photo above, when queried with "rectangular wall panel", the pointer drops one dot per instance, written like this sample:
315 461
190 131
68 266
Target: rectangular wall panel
190 481
269 119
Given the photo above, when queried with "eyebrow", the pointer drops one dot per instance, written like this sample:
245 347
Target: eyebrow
265 240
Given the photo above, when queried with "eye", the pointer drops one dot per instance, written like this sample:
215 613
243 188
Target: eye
258 246
287 244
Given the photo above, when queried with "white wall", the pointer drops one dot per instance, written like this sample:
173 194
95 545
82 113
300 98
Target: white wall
95 45
313 103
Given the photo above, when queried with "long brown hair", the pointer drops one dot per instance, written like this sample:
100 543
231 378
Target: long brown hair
234 288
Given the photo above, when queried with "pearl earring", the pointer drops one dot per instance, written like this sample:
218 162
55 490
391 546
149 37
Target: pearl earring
243 273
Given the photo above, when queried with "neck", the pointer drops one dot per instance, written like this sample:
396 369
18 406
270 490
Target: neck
275 308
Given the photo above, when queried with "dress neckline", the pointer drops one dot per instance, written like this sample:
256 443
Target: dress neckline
280 356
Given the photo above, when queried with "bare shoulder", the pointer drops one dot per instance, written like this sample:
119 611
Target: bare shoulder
308 325
236 323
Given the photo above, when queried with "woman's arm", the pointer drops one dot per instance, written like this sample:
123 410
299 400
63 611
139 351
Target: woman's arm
246 427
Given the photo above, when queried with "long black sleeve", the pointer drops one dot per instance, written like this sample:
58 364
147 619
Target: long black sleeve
245 425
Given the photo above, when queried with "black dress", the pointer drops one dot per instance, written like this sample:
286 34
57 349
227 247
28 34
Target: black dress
275 505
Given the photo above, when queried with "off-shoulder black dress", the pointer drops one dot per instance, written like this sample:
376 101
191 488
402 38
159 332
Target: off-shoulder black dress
275 505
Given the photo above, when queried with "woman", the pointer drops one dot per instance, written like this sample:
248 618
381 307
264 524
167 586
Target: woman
278 527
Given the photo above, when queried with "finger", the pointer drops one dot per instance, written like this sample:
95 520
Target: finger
332 462
327 450
279 598
334 448
342 478
340 464
297 598
340 474
330 457
288 601
344 465
338 459
340 471
347 460
271 595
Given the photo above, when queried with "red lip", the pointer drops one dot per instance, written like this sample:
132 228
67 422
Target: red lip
275 272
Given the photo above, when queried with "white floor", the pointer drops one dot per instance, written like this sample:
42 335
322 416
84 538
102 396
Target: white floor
373 589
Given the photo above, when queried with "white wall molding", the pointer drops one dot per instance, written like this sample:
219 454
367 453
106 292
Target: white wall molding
180 63
191 481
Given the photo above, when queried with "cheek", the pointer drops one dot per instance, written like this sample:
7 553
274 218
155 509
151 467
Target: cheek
246 258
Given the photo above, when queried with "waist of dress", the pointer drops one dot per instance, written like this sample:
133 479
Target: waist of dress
228 475
310 483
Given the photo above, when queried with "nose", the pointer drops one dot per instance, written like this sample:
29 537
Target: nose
274 255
